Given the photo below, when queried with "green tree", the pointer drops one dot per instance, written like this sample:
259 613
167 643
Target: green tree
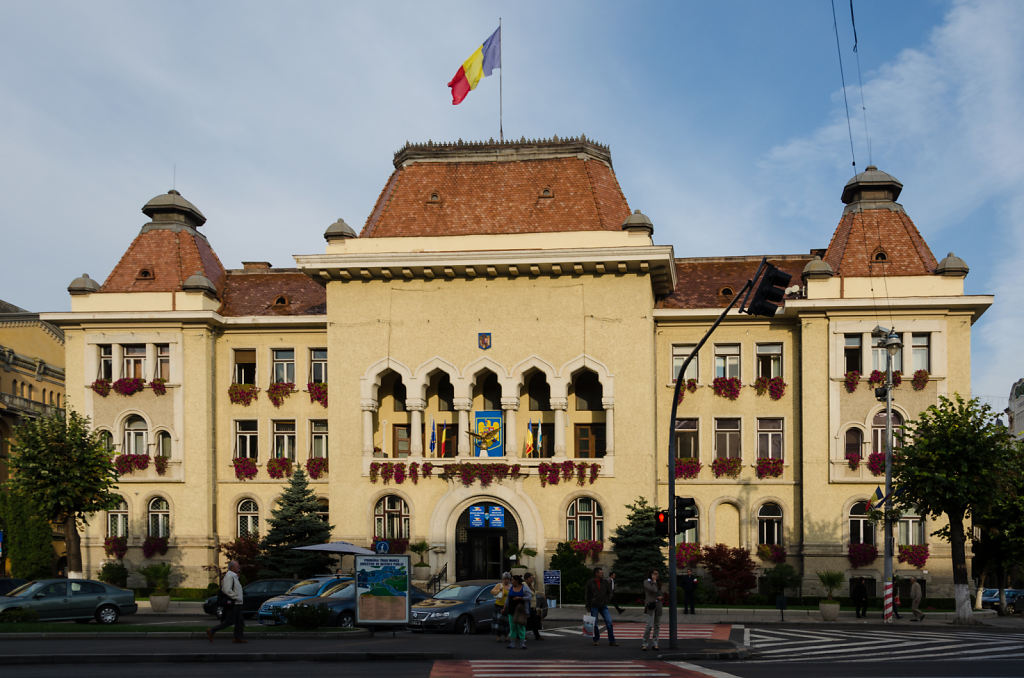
955 461
638 549
575 572
1001 546
28 537
64 466
294 522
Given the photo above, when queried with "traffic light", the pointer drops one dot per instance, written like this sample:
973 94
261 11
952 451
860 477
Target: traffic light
769 293
661 523
686 514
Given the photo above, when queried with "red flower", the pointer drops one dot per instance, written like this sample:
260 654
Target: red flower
159 386
920 380
242 394
101 387
727 387
726 467
245 468
688 468
279 467
316 467
861 555
914 555
768 468
280 390
317 393
687 555
128 386
851 380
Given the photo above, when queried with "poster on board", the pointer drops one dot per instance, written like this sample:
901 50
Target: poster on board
382 589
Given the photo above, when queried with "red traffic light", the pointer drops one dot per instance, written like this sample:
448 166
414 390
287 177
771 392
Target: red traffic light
661 523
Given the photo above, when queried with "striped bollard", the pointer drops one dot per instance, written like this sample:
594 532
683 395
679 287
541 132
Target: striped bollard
887 605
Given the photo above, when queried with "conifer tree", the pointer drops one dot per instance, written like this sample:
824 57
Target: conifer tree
294 522
638 549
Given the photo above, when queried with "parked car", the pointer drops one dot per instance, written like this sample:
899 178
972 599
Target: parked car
272 611
254 594
341 601
8 584
462 607
77 599
1014 600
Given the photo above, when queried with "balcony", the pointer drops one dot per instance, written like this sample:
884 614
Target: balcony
24 407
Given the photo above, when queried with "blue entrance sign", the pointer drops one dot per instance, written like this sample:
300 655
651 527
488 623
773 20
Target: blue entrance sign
486 516
476 516
496 516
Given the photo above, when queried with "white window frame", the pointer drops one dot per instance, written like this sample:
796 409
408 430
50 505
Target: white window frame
860 526
911 530
248 518
133 363
879 355
921 351
163 362
679 354
158 518
135 439
769 355
284 439
391 517
282 365
728 434
727 360
318 438
105 368
117 520
317 366
769 524
247 440
580 519
164 444
687 438
770 443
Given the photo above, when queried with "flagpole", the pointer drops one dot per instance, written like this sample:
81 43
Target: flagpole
501 75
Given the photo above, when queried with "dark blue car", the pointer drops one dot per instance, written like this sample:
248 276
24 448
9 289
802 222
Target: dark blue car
272 611
341 601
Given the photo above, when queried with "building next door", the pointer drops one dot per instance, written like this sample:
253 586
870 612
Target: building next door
483 535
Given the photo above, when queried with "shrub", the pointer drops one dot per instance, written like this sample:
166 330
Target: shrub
306 616
731 570
21 616
781 577
114 573
831 580
574 572
158 577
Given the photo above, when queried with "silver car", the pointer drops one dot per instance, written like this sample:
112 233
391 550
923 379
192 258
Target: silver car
77 599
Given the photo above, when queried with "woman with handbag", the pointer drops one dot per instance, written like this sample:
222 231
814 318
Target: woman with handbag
652 609
517 606
500 621
537 606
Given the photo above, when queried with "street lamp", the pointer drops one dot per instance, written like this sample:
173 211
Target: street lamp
892 345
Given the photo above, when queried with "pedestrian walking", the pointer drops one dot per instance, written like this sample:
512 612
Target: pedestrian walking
537 604
859 595
653 594
517 607
612 601
231 588
915 599
597 594
895 600
688 582
500 593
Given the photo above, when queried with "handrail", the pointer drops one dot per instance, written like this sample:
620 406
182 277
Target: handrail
434 584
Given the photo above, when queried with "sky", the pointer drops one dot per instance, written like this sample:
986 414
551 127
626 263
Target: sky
726 122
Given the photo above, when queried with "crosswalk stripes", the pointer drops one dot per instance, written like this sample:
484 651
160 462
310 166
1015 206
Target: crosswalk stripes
635 631
560 668
855 645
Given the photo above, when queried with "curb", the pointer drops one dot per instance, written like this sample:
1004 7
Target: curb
193 635
206 657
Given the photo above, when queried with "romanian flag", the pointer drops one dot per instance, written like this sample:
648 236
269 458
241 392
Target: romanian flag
444 441
529 439
875 498
481 63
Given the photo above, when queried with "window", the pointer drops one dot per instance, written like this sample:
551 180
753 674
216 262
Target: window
878 431
391 518
445 393
159 518
246 439
284 440
911 529
163 444
679 354
589 392
590 441
687 439
543 439
401 444
769 524
539 392
584 520
87 588
769 360
323 509
163 361
318 365
769 439
851 352
727 439
117 520
283 367
727 360
920 352
318 439
106 370
134 361
245 366
248 518
490 389
854 442
134 436
107 438
879 354
862 531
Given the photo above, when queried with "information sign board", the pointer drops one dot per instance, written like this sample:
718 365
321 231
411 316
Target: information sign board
382 590
552 577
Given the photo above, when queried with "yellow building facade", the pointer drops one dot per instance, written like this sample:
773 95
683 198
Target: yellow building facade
489 364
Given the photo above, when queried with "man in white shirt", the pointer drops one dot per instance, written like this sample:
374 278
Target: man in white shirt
231 587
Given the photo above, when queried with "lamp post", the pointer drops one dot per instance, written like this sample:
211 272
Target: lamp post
892 345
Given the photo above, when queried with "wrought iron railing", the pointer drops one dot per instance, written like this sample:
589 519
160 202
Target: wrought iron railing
436 581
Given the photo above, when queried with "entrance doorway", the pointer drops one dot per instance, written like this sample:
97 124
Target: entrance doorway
483 533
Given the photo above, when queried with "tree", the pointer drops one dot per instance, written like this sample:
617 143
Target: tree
574 571
65 467
294 522
731 570
28 538
955 461
1001 526
638 549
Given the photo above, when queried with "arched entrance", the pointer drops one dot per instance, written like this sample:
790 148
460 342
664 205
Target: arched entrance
483 533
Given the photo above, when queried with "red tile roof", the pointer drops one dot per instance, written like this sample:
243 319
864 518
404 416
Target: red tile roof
169 256
862 233
702 280
257 292
487 189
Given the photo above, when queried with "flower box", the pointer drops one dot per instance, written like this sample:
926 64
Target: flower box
768 468
101 387
876 463
687 555
727 387
861 555
317 467
242 394
116 547
775 387
160 464
916 556
877 378
280 390
690 385
279 467
245 468
687 468
317 392
771 553
727 467
587 548
128 386
154 545
159 386
853 459
850 380
897 378
126 463
919 380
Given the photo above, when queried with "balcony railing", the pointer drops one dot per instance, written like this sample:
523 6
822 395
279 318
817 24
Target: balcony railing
28 408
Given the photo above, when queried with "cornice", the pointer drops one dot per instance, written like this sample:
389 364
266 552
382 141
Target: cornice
210 318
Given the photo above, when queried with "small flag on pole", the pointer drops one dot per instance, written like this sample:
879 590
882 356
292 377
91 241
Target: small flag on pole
529 439
444 441
481 63
875 498
540 439
433 436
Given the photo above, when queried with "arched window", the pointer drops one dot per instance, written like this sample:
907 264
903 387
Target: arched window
769 524
248 518
117 520
584 520
134 436
107 438
878 431
862 531
854 442
911 529
163 444
391 518
589 392
539 392
159 518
